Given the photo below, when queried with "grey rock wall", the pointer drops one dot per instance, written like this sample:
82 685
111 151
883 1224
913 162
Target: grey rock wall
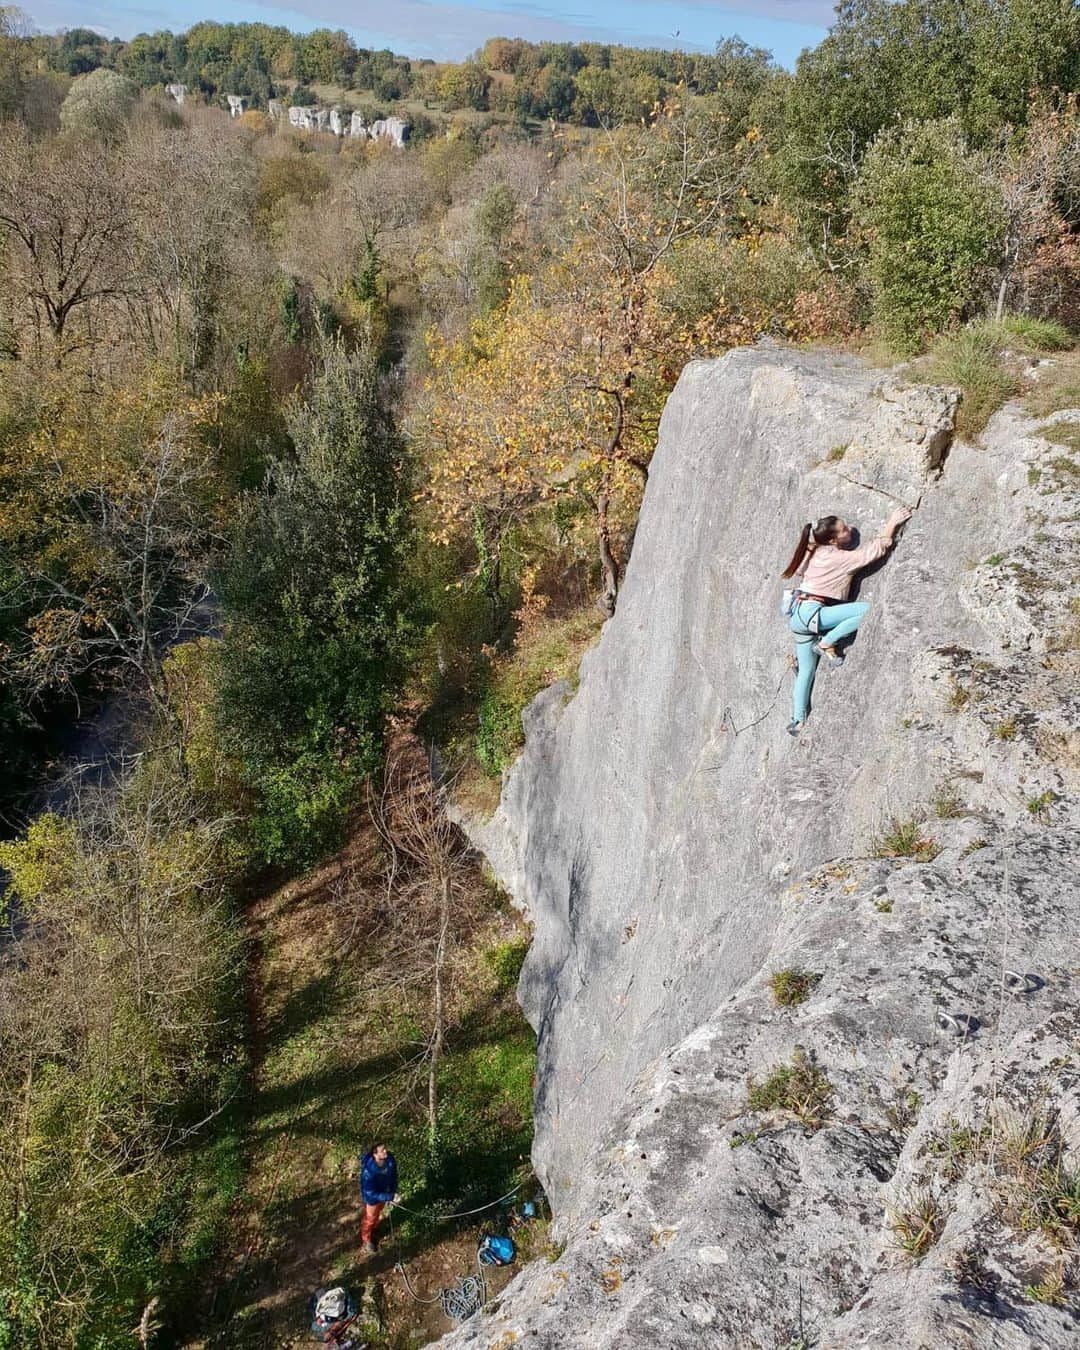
673 847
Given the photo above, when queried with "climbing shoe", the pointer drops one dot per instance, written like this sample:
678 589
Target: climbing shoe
832 657
793 728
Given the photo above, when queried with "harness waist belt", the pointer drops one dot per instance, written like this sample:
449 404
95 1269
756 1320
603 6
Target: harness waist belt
819 599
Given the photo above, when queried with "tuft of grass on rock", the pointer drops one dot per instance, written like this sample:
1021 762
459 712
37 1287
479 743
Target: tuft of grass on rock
792 986
1006 730
916 1222
904 839
970 360
958 697
1028 334
946 803
1050 1289
801 1088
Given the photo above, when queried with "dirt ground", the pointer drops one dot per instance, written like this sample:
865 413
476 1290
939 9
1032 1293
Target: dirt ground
316 1080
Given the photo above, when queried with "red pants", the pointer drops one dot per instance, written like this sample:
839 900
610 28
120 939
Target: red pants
370 1221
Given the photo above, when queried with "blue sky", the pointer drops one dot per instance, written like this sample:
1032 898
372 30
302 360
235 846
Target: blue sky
450 29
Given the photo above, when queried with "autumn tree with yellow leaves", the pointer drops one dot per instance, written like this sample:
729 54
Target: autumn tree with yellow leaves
562 388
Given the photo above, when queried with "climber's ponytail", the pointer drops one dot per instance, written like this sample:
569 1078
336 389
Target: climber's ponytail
800 550
813 536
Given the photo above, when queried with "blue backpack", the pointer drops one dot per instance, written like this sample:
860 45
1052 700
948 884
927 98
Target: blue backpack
495 1251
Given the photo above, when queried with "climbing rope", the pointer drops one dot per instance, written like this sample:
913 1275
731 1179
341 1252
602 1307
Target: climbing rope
458 1301
463 1213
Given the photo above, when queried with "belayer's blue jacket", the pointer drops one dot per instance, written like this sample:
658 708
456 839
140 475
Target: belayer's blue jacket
378 1184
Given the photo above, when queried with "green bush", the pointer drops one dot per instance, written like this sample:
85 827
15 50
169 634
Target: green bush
122 1062
933 218
317 615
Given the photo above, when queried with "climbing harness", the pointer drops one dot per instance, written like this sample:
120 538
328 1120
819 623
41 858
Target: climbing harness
811 627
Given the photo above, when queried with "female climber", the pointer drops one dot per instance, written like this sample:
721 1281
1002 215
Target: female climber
825 563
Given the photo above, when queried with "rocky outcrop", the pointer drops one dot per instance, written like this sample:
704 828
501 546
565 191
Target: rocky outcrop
675 849
340 122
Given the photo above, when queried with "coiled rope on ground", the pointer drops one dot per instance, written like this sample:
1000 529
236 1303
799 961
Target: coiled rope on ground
466 1297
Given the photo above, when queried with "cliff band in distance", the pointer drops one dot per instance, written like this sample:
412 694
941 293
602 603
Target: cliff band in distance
674 848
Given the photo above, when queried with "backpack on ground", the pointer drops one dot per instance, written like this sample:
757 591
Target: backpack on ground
495 1250
328 1309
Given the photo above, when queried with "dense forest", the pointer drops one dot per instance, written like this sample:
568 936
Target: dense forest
304 440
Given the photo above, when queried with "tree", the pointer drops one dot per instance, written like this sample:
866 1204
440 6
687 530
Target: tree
316 611
192 250
99 104
934 220
15 27
68 217
430 893
568 383
116 1051
105 536
465 86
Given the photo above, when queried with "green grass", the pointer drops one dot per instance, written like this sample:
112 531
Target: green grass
342 1063
791 987
548 651
904 839
916 1222
1024 333
946 803
1057 388
801 1088
969 359
505 961
1006 730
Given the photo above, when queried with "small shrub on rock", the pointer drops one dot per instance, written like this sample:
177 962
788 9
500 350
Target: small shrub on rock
801 1088
904 839
792 986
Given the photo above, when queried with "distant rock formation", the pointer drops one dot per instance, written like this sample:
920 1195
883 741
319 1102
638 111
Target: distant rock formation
236 104
340 122
177 92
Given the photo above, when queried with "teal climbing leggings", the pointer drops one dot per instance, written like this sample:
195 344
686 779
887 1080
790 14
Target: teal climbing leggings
838 621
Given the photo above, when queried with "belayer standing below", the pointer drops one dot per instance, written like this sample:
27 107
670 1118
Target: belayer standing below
825 563
378 1187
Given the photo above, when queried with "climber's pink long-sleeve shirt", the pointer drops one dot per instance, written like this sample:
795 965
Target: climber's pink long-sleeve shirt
830 569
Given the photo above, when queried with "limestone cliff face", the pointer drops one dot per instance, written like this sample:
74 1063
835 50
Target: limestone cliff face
673 847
